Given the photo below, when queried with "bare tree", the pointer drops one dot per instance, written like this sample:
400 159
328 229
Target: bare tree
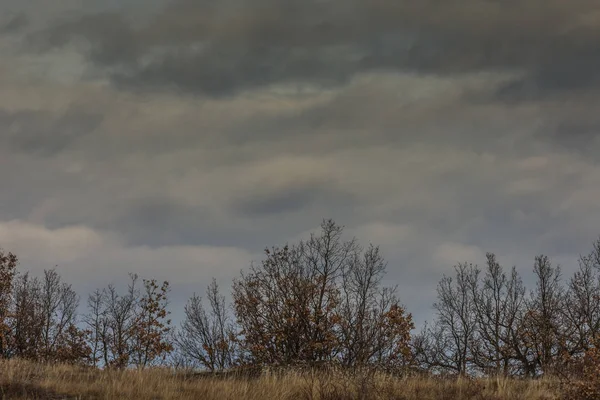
58 302
119 324
374 327
456 321
208 338
543 325
326 256
431 348
96 322
498 306
490 324
514 310
582 303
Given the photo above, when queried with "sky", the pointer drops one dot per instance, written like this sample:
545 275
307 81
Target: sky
177 139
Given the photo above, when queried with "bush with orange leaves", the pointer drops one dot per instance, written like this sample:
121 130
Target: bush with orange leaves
152 328
583 382
321 301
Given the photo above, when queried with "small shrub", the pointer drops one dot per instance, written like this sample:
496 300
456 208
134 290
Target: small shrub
584 384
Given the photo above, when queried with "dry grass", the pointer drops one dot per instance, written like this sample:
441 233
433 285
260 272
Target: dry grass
23 380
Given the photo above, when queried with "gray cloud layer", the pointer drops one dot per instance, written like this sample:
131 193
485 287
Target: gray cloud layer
180 138
14 23
226 47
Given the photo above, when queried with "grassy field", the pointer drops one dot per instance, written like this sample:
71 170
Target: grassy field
23 380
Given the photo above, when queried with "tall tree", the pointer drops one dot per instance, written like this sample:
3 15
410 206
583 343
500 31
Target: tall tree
456 320
96 323
543 325
151 339
120 316
58 304
27 318
499 303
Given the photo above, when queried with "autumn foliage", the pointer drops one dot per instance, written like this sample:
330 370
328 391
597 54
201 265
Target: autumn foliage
321 301
39 321
314 303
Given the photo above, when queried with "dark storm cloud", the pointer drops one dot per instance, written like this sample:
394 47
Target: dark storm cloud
581 136
112 40
159 222
565 67
223 48
578 131
294 197
287 200
45 133
14 24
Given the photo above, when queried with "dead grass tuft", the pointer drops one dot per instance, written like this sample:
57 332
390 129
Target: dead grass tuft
24 380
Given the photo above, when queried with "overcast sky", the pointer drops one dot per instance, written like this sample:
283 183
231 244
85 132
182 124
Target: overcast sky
176 139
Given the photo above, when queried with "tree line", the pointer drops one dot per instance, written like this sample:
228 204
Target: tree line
319 301
487 322
39 320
